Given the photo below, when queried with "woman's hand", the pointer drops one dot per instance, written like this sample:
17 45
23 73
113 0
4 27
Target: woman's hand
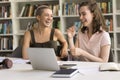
71 32
76 51
64 53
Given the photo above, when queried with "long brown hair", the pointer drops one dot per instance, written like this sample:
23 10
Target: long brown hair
98 20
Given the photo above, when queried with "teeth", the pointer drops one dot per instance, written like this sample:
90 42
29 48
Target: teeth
48 21
83 21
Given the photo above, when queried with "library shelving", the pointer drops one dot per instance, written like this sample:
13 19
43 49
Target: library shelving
20 15
6 34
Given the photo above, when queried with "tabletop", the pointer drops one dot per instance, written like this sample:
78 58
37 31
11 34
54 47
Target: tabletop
87 71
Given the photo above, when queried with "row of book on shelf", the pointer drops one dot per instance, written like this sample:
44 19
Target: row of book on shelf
70 8
5 27
105 6
29 10
6 43
4 0
109 24
5 11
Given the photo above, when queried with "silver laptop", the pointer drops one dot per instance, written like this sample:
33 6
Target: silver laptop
43 59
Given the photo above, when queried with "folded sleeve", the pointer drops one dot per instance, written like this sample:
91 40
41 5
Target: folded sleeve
105 39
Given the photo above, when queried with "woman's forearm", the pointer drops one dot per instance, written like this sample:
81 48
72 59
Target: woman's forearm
71 43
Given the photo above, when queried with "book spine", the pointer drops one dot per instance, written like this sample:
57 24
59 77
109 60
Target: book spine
4 28
22 11
111 24
30 11
104 7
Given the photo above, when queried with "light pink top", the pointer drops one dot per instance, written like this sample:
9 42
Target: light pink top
94 44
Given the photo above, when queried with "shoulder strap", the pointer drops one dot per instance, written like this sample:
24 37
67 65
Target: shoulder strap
52 34
32 36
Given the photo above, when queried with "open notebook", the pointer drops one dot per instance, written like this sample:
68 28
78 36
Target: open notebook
110 66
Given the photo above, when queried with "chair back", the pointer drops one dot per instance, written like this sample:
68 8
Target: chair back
17 52
111 56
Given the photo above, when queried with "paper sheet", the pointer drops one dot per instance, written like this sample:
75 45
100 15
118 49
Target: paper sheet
88 70
20 61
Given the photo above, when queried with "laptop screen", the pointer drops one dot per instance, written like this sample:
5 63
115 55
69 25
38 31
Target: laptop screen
43 58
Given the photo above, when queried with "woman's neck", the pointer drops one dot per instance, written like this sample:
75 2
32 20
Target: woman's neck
89 32
41 29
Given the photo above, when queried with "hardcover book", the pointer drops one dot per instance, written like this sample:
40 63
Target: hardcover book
65 73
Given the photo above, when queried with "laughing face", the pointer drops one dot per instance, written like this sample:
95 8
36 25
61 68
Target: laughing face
46 18
86 17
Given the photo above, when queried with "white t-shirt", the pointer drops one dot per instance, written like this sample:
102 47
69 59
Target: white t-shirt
92 45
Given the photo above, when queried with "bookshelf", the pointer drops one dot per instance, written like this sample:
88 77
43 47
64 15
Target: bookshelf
6 34
65 15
